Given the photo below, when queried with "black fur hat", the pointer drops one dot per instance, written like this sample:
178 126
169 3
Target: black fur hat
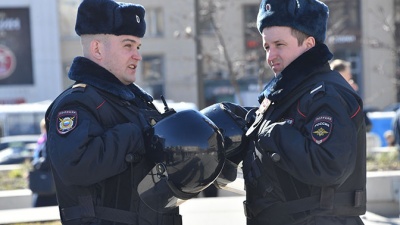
110 17
307 16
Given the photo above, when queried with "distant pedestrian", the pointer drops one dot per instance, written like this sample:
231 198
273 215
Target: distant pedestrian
389 138
40 162
344 68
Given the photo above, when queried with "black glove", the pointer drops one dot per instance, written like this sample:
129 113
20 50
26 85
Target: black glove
268 128
264 138
238 114
136 154
250 116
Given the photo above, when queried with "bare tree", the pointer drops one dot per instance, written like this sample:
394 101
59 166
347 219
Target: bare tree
390 26
231 72
230 62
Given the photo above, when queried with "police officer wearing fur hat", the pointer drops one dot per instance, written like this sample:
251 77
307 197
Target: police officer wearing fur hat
95 127
309 163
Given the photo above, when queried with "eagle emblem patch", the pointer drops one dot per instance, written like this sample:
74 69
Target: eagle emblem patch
321 129
67 121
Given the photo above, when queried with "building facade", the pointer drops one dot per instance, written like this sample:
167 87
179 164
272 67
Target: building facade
30 56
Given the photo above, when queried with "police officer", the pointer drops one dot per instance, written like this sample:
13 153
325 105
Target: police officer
95 128
308 165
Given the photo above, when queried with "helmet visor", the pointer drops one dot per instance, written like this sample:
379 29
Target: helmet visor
159 193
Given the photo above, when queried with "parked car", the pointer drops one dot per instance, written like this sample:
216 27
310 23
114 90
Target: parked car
392 107
17 149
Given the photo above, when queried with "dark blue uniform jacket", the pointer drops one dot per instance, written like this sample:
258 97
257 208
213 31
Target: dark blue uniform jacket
95 144
315 126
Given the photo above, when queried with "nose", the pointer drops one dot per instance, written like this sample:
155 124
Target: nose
137 56
270 56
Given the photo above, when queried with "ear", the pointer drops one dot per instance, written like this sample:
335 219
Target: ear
310 42
96 49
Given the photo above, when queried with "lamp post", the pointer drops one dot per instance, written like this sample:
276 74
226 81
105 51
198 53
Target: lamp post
199 57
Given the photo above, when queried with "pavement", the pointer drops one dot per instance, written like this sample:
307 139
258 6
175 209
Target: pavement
198 211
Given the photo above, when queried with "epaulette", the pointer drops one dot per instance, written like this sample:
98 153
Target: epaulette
79 87
318 87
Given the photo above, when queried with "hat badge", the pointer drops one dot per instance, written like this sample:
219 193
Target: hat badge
267 7
298 4
137 19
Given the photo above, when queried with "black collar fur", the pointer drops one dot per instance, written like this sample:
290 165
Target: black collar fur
84 70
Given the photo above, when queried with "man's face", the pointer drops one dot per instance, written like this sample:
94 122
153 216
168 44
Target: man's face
122 56
282 47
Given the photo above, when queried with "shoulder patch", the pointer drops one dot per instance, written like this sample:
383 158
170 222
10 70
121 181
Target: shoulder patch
67 121
321 129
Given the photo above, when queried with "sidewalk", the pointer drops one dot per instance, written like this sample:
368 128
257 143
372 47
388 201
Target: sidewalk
40 214
229 210
199 211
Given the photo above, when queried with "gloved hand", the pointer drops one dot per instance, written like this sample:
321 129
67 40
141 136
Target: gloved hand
236 150
250 116
237 112
267 129
136 153
265 136
41 164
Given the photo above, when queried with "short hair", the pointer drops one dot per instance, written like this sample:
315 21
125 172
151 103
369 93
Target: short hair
300 36
340 65
88 38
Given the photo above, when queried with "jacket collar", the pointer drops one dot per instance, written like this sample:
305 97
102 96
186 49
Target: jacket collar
84 70
298 71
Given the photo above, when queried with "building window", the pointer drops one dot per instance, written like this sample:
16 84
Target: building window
343 14
153 75
255 54
252 36
154 22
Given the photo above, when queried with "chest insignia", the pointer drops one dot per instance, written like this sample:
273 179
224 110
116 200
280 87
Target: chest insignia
67 121
289 121
264 106
321 129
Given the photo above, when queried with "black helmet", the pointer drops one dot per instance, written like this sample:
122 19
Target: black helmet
187 149
230 119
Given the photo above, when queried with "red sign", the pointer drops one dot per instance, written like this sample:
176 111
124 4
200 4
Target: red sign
16 66
7 62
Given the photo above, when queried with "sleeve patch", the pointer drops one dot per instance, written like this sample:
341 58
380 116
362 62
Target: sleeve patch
321 129
66 121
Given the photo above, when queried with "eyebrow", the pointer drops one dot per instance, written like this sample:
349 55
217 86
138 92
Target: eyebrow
274 42
277 41
131 40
